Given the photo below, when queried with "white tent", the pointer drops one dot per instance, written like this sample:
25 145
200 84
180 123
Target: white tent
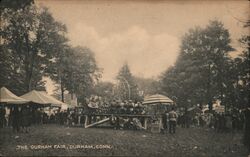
54 101
7 97
40 97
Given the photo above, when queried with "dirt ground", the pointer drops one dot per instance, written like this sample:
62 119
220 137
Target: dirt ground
56 140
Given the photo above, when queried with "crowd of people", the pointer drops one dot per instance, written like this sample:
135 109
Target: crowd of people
99 105
221 122
236 120
20 118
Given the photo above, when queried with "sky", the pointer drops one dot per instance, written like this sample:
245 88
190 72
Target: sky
144 34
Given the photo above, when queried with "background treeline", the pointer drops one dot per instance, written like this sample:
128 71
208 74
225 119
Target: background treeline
34 45
205 71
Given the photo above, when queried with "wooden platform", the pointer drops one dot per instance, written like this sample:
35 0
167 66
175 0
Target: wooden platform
92 119
120 115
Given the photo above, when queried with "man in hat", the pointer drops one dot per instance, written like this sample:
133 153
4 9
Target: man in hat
16 119
172 121
2 116
164 121
25 118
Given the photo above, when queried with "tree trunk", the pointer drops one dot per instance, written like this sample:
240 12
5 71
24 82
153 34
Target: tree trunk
27 71
210 103
62 92
29 64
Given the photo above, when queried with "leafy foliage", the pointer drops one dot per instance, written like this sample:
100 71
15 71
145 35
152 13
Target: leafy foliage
127 88
200 73
76 71
15 4
104 89
33 45
30 38
242 70
148 86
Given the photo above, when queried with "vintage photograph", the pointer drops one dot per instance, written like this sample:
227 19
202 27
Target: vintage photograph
156 78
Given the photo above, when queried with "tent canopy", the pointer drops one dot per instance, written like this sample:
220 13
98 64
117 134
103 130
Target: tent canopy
157 99
42 98
53 100
8 97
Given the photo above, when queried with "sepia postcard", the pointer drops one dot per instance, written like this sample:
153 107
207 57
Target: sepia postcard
125 78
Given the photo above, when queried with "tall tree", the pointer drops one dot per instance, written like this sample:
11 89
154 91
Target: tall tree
243 70
147 86
127 86
104 89
61 68
15 4
30 38
198 76
85 73
76 71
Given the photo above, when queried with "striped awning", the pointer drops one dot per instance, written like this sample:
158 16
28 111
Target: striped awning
157 99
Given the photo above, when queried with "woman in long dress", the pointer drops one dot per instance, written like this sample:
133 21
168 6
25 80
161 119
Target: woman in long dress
15 114
25 118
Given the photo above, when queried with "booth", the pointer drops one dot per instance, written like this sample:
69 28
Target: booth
156 106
